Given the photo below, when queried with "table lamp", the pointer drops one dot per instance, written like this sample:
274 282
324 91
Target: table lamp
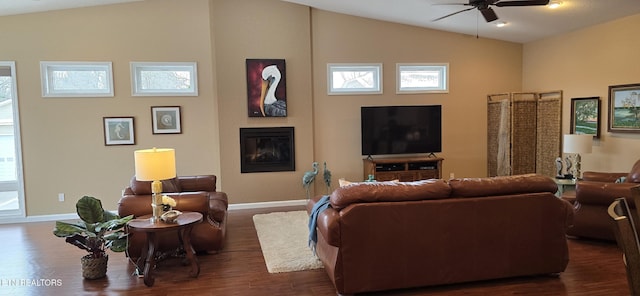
576 144
155 165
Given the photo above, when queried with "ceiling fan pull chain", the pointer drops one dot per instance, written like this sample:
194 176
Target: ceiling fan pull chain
477 24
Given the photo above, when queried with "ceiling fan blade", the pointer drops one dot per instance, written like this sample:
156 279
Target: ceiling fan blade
521 3
448 15
466 4
489 14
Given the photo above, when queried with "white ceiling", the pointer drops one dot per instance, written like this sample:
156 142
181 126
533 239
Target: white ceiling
11 7
525 24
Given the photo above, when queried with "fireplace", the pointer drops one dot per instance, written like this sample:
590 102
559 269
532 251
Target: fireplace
267 149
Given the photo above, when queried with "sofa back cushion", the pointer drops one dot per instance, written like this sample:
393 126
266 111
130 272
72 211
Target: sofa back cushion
634 174
504 185
144 187
389 191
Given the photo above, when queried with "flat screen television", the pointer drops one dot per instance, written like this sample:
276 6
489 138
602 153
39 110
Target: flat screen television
401 129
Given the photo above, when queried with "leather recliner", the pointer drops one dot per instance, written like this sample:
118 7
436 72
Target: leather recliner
594 193
191 193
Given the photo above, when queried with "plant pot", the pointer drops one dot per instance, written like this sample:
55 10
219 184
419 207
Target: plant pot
94 268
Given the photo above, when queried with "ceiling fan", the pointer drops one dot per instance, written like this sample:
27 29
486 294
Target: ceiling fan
484 6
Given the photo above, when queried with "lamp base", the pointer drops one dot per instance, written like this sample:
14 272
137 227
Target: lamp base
156 201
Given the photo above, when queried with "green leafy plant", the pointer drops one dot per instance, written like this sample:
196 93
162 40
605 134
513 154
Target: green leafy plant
97 230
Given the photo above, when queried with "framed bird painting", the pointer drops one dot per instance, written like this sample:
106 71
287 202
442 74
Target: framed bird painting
266 88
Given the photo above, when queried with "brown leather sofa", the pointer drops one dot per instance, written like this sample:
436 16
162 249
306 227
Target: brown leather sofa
594 193
393 235
191 193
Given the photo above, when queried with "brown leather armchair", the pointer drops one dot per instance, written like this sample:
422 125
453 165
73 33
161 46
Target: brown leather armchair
594 193
191 193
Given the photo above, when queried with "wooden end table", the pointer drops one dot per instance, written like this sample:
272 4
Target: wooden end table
183 225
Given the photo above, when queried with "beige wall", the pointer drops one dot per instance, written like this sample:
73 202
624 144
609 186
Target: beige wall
62 138
258 29
63 141
583 64
477 67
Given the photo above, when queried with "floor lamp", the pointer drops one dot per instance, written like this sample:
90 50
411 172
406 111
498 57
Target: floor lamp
155 165
576 144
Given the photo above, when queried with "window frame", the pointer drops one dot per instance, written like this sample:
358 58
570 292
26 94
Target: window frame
441 68
374 68
48 80
18 185
138 67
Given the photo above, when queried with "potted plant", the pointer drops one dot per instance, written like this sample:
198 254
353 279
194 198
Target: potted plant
97 231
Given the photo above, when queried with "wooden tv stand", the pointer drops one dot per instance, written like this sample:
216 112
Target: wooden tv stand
403 169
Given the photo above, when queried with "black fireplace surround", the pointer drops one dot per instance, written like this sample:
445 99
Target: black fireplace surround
267 149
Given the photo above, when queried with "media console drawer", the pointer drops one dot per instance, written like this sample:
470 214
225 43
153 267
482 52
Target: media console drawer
403 169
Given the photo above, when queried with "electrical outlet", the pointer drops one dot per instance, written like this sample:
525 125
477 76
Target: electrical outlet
60 196
451 176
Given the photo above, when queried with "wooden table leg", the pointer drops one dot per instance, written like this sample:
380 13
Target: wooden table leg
188 249
151 259
140 263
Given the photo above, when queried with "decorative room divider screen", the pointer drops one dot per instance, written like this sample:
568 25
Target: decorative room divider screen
524 132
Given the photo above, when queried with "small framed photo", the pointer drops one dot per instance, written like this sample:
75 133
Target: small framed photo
585 116
166 120
624 108
118 131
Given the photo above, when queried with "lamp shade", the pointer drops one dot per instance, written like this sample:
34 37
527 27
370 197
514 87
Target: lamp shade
155 164
577 143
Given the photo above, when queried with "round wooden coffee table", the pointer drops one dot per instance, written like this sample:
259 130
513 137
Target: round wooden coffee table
183 225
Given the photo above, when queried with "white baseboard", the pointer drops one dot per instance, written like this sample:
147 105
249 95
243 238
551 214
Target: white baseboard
268 204
38 218
232 207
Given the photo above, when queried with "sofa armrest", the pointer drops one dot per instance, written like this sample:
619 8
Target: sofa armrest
218 205
602 177
328 225
602 193
198 183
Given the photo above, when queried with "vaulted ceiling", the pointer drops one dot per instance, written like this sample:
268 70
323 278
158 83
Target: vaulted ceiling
523 24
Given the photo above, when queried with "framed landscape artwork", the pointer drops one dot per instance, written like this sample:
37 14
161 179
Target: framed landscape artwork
624 108
118 131
585 116
266 88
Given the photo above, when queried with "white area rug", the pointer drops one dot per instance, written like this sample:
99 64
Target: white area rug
284 238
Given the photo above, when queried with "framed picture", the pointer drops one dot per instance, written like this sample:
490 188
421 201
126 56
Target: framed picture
166 120
118 131
624 108
266 88
585 116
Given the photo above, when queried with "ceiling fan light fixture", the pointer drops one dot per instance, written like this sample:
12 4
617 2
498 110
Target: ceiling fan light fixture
555 4
501 24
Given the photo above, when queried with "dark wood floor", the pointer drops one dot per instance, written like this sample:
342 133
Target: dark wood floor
32 259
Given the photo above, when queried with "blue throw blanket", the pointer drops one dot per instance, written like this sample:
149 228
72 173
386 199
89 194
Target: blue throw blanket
320 206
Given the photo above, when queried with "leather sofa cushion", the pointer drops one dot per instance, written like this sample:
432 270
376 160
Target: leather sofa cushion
504 185
388 191
603 194
634 174
144 187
